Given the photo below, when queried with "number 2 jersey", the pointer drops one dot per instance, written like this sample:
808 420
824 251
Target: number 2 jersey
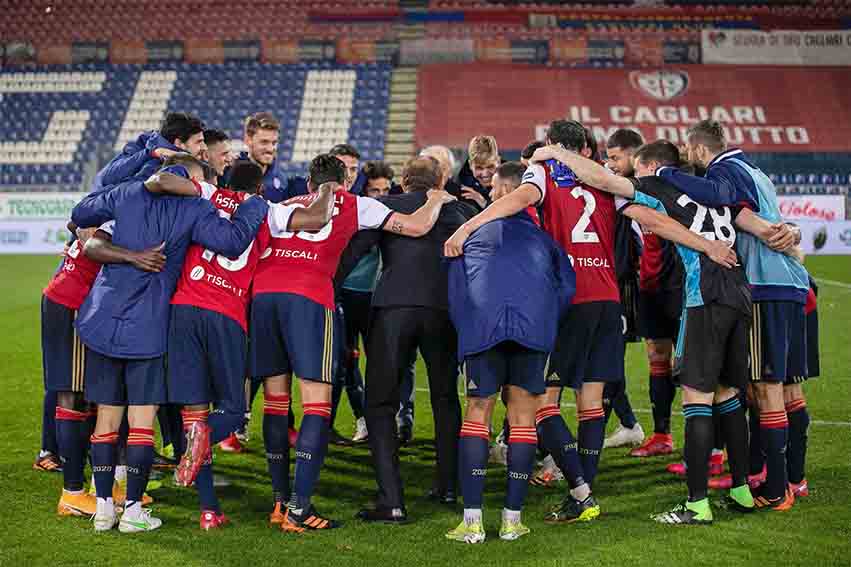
582 220
304 263
214 282
705 281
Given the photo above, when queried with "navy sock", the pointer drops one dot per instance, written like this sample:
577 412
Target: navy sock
698 448
104 453
276 441
48 422
592 429
336 396
734 430
71 438
206 492
662 394
222 424
757 460
619 402
354 389
310 451
773 430
522 445
796 448
473 461
140 455
557 439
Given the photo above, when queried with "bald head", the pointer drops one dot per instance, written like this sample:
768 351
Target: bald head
444 158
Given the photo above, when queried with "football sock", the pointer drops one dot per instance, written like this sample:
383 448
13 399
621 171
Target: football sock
734 429
473 461
796 449
698 446
103 462
206 491
592 429
336 395
472 515
222 424
557 439
522 444
662 393
48 422
310 451
773 428
276 441
718 435
757 460
140 455
620 404
71 439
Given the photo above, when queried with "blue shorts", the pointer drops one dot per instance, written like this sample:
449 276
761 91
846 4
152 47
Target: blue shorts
125 381
778 342
590 346
206 359
292 334
63 355
506 364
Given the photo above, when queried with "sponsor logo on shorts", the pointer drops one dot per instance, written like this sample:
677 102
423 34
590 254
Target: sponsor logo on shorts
197 273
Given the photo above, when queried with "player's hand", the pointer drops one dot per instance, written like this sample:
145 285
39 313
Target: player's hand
83 234
440 195
164 153
150 260
783 238
473 195
721 253
545 153
454 247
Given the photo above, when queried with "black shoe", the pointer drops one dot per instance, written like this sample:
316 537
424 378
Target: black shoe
335 438
448 498
383 515
405 435
572 510
161 462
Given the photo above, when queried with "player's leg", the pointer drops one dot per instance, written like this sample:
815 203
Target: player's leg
47 458
662 394
589 408
629 432
486 372
405 417
796 450
358 307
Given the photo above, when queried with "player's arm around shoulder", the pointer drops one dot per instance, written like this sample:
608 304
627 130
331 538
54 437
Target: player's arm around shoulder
229 237
313 217
421 221
587 170
780 236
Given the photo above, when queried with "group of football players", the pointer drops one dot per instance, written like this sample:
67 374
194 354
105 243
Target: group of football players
192 269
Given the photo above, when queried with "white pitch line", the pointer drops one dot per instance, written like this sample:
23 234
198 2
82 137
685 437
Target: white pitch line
679 413
834 283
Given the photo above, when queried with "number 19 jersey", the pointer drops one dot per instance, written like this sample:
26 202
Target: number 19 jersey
582 220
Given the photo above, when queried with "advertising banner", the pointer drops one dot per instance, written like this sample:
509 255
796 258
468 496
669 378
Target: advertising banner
826 238
33 236
38 206
812 207
781 47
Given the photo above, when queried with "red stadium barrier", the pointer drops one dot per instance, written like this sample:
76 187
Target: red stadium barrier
769 109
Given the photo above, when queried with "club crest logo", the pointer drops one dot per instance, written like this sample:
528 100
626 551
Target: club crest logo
661 85
197 273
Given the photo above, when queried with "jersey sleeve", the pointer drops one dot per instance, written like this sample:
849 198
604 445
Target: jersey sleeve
279 217
108 227
371 213
536 175
207 190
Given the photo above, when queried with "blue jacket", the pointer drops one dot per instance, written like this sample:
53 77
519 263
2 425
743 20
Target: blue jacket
276 187
134 162
126 313
732 180
513 283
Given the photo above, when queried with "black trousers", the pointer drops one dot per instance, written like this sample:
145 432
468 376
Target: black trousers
394 334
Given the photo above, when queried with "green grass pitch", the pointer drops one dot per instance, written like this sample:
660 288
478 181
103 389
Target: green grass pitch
816 532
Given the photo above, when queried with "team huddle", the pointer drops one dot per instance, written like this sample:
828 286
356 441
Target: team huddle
196 279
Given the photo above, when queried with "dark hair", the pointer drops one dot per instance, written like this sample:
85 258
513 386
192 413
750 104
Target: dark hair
210 173
625 139
530 149
512 170
261 121
421 174
180 126
245 175
568 133
326 168
185 160
213 136
591 143
661 151
377 170
710 133
344 150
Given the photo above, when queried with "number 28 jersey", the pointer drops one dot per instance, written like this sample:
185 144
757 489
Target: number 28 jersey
304 263
217 283
705 281
582 220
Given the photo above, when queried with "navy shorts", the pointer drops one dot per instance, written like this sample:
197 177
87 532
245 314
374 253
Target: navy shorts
125 381
778 345
506 364
292 334
63 355
712 350
206 359
590 346
659 314
813 361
